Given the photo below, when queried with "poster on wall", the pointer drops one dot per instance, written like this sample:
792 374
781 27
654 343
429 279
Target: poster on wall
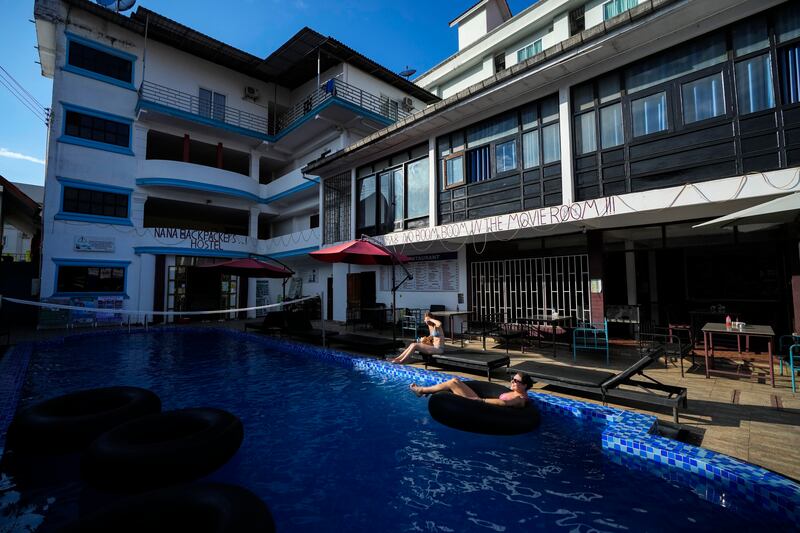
82 243
432 272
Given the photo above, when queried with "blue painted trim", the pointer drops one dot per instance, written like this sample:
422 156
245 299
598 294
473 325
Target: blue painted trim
99 77
94 186
88 294
99 46
145 104
79 141
71 37
172 250
99 263
96 113
300 251
102 263
207 187
97 219
289 192
85 217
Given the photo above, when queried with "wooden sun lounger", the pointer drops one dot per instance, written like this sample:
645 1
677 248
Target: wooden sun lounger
607 384
471 360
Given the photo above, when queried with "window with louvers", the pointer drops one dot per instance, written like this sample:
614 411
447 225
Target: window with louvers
100 62
336 208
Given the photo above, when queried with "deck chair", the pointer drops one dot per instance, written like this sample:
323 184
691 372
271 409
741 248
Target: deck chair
274 322
607 384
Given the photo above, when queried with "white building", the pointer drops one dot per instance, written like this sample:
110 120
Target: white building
168 149
576 147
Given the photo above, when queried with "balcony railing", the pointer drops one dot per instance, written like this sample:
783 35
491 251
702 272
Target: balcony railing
194 105
384 107
266 124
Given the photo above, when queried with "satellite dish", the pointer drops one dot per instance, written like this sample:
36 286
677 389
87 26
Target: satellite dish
117 5
408 72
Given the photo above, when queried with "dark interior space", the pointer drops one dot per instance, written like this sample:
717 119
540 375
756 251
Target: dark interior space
163 213
169 147
265 226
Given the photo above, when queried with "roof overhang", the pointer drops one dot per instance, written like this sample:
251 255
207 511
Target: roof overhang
777 211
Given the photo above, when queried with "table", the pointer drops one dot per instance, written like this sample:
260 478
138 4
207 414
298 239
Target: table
449 315
551 321
712 328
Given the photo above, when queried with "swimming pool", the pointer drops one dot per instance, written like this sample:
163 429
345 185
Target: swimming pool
334 443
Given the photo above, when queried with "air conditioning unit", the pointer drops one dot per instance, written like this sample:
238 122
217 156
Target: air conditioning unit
251 93
408 103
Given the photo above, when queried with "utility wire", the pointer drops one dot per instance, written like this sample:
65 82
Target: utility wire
25 98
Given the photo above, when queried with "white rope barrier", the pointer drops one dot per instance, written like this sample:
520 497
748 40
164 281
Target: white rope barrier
140 312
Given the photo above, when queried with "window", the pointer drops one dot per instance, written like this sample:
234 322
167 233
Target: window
551 143
529 51
789 58
611 132
703 99
84 56
367 203
505 155
499 62
479 166
418 186
754 84
454 170
97 129
94 279
212 105
649 114
401 200
616 7
530 149
91 202
577 21
585 135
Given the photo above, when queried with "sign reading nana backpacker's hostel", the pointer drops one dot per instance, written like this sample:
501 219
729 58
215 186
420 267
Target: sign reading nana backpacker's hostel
201 240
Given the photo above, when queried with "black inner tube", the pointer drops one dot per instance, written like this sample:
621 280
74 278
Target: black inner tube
70 422
162 449
478 417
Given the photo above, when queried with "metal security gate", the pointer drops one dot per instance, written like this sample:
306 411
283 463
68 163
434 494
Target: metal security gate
518 288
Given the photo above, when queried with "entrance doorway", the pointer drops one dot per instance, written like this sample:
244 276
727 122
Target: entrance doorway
360 290
200 289
329 303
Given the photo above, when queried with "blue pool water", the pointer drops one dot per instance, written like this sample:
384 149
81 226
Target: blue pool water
330 448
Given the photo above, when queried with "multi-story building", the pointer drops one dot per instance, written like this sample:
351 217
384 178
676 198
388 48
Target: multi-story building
169 149
577 148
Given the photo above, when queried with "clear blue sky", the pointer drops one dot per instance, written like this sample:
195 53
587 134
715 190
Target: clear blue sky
393 33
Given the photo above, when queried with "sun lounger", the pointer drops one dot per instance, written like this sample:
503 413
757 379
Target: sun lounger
367 343
273 323
471 360
607 384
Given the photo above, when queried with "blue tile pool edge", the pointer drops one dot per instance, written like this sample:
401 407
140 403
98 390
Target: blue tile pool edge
628 437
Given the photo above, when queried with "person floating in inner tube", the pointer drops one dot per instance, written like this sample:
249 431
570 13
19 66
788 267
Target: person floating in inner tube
516 397
428 345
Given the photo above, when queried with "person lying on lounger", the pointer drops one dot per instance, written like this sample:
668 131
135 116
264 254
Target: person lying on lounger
435 345
516 397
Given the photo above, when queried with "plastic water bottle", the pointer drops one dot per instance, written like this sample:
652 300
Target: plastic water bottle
728 322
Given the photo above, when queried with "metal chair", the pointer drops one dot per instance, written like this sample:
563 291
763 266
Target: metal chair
793 341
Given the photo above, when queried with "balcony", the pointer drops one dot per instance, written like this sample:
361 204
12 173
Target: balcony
159 97
389 110
189 106
179 175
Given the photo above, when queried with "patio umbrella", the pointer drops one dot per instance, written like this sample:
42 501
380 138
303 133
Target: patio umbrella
365 251
250 267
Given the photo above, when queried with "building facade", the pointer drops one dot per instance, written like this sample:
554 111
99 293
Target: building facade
576 148
169 150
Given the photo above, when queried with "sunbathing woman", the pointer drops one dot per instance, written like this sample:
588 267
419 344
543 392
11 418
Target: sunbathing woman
435 328
516 397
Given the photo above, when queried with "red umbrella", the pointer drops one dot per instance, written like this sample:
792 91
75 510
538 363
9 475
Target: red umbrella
363 251
251 267
359 252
